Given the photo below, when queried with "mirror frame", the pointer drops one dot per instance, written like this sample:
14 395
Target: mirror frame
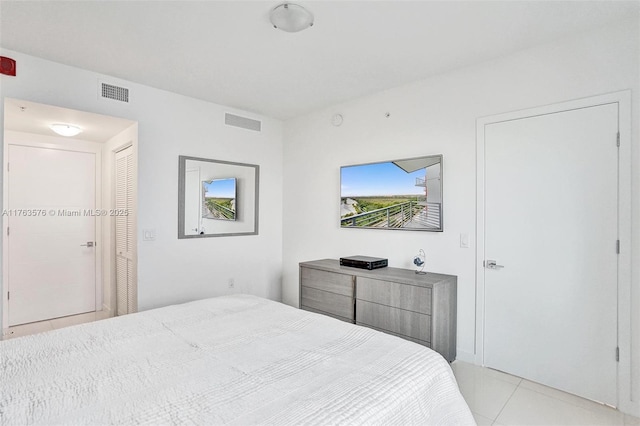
182 162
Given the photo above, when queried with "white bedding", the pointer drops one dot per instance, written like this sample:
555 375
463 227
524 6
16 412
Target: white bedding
229 360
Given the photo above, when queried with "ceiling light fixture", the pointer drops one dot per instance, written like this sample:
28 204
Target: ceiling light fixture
65 129
291 17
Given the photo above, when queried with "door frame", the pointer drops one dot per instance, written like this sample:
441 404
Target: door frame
59 143
623 99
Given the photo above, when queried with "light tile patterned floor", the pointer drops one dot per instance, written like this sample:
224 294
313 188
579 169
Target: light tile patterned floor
499 399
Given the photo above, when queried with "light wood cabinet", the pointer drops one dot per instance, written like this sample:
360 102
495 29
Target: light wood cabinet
420 308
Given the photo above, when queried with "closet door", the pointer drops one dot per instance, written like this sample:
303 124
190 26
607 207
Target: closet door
126 282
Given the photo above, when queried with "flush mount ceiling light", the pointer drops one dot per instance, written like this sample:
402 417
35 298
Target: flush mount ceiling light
291 17
65 129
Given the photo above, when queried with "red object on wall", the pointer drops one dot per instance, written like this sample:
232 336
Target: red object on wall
7 66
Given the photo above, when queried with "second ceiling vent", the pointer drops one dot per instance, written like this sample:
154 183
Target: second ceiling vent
242 122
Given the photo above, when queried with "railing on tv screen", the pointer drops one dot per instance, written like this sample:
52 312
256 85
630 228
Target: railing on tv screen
407 215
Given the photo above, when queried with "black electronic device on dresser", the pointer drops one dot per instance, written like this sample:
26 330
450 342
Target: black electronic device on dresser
364 262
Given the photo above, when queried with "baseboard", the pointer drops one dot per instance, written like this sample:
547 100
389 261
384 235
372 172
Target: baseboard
465 357
631 408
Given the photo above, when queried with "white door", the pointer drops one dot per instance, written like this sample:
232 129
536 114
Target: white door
51 235
551 221
126 288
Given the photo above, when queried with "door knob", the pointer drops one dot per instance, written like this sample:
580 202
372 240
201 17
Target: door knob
89 244
492 264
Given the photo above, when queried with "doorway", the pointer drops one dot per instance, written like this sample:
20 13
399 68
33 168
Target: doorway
62 190
549 273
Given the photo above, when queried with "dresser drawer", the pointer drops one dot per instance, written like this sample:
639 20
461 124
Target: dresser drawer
397 295
418 341
327 281
398 321
306 308
325 301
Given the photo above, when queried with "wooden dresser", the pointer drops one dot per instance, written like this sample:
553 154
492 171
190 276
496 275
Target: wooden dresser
420 308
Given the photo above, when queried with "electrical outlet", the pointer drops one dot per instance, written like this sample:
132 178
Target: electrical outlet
148 234
232 283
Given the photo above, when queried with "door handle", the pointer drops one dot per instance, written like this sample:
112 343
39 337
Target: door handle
492 264
89 244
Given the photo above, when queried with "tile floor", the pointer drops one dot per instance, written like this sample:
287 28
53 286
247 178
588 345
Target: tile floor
499 399
42 326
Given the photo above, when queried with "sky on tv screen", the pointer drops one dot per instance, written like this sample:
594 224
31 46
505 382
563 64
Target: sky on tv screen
378 179
220 188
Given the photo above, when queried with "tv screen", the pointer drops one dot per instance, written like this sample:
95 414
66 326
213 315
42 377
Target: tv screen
399 194
219 196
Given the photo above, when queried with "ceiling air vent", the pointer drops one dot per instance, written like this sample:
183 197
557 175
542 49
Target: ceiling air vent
243 122
117 93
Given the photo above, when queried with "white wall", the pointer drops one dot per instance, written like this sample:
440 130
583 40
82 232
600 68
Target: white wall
438 116
172 270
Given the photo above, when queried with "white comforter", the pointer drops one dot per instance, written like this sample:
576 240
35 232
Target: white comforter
228 360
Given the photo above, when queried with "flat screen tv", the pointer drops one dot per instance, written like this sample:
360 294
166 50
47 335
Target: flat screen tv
219 199
399 194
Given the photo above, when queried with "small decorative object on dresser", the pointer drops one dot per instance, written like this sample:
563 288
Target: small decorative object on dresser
416 307
419 261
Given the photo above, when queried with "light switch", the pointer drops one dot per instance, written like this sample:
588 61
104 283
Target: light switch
149 234
464 240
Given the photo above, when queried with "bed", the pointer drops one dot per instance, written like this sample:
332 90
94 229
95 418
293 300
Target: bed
238 360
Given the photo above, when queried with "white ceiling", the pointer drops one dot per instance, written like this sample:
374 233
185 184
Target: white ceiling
228 53
31 117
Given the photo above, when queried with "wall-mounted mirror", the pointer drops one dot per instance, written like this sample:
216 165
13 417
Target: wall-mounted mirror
216 198
398 194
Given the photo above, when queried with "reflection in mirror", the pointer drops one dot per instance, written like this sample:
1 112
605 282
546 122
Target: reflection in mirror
219 199
399 194
216 198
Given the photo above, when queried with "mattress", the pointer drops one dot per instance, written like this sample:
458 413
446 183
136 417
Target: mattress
236 360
